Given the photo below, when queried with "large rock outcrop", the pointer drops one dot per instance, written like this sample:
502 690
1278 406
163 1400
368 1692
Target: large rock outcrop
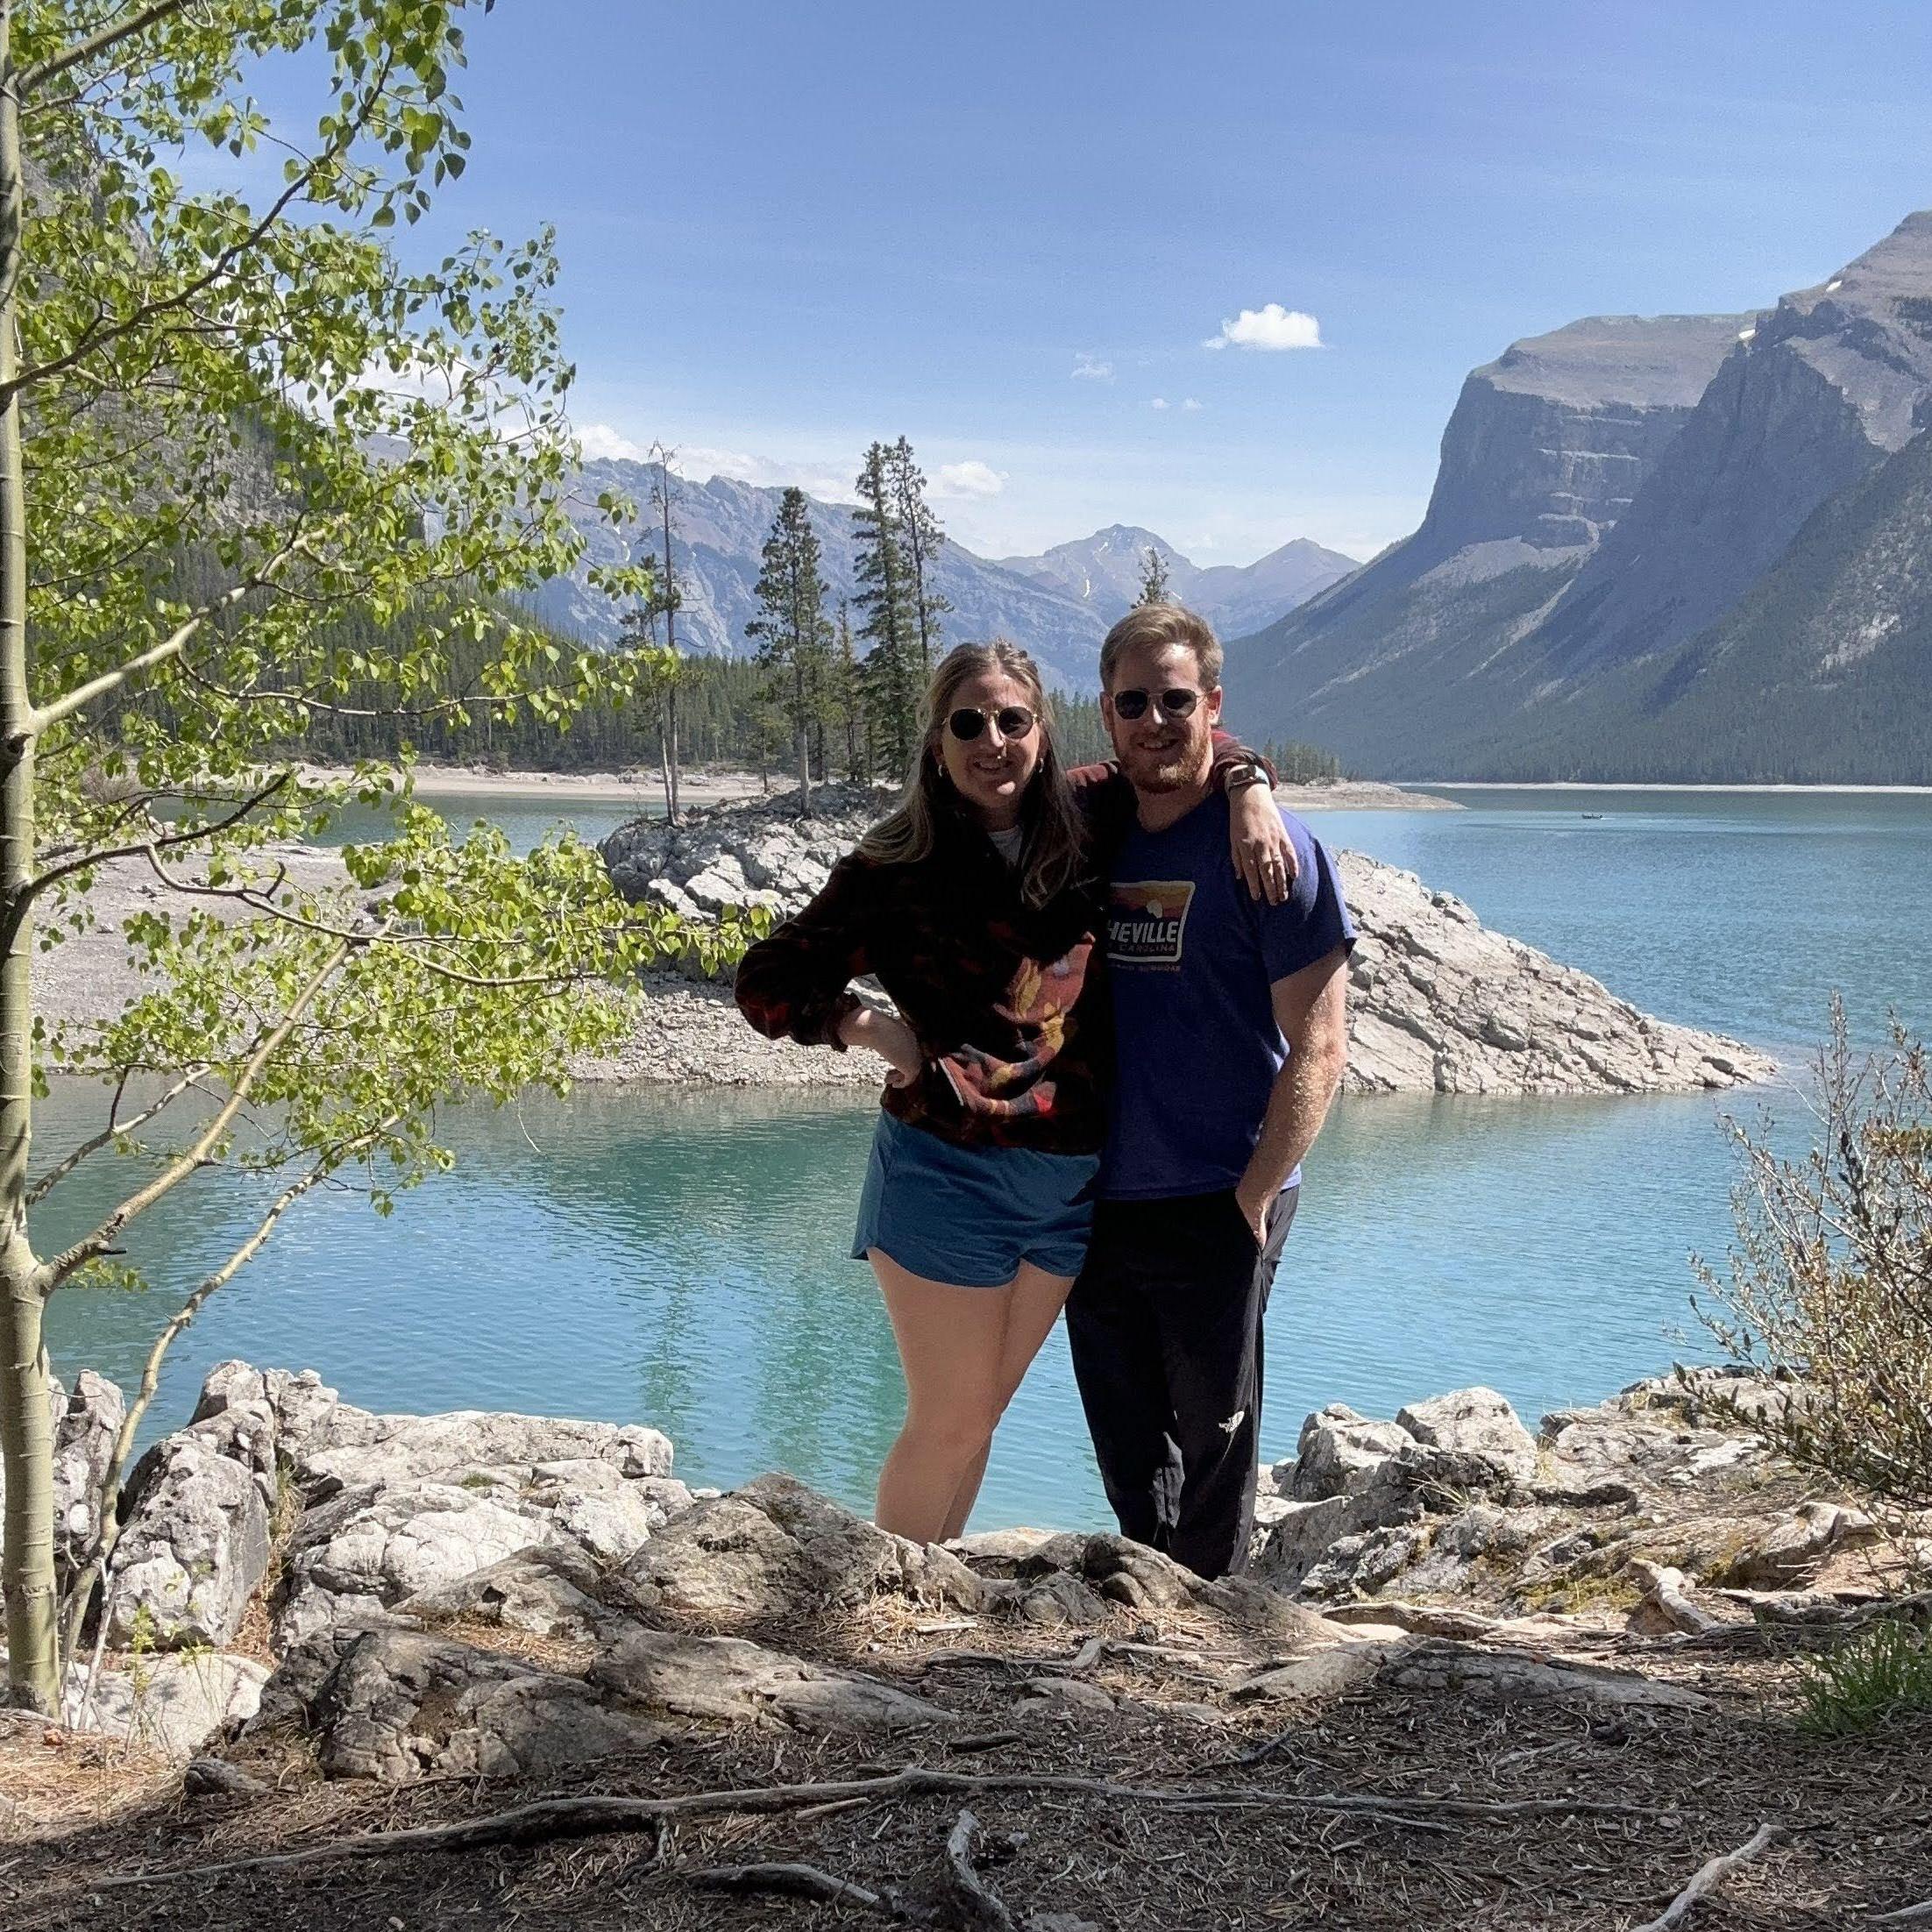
1662 1504
1439 1003
1447 1552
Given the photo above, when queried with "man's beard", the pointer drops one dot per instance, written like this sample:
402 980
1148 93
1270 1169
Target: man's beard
1170 768
1171 773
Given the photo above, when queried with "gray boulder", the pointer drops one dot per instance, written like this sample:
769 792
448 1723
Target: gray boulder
553 1590
731 1681
367 1549
89 1424
1475 1421
1792 1551
397 1705
172 1703
353 1447
775 1546
195 1545
1336 1448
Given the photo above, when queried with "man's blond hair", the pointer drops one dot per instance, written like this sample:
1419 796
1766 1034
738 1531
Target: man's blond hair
1159 624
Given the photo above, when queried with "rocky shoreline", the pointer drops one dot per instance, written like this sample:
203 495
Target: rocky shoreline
1439 1003
283 1529
311 1598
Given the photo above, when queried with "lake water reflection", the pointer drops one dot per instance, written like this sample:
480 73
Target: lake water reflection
678 1258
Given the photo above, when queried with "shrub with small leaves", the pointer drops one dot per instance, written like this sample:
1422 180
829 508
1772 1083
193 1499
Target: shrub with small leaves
1830 1273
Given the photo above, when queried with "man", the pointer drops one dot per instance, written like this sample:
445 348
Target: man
1231 1032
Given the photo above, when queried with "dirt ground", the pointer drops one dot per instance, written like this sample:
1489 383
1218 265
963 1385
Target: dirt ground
1231 1820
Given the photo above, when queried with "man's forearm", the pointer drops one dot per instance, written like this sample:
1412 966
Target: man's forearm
1297 1107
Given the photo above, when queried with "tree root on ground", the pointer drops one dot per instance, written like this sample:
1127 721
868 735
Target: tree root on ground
551 1818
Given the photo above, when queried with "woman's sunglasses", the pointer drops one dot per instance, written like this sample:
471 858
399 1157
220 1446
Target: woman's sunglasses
1176 703
1015 721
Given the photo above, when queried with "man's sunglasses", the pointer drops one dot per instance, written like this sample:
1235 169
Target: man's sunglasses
1179 703
1015 721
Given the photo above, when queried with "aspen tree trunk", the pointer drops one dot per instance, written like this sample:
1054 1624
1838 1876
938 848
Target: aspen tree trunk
27 1431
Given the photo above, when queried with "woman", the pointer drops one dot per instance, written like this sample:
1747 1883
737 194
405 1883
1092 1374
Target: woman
977 903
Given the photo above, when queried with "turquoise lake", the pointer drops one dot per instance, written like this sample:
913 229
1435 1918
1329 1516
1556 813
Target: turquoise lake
678 1259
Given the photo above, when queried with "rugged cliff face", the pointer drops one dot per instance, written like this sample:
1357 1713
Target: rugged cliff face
1827 385
1547 448
1682 549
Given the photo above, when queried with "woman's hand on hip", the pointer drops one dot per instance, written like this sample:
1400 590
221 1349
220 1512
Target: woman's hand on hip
1264 853
888 1036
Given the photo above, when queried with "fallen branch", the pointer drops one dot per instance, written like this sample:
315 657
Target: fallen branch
979 1908
1709 1876
586 1817
796 1881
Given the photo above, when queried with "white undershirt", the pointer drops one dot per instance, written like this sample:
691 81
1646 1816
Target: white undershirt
1007 843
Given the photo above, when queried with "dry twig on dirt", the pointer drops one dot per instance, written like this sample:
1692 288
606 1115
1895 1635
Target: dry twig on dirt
1709 1876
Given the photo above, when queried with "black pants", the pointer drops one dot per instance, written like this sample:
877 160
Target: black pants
1165 1325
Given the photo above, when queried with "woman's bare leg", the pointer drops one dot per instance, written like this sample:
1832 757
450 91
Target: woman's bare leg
950 1344
1032 1306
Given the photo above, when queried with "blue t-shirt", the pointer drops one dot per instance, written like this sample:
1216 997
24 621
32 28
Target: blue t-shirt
1193 961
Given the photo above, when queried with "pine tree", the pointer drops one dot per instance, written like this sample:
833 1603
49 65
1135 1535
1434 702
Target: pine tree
1153 579
794 639
888 622
851 702
922 540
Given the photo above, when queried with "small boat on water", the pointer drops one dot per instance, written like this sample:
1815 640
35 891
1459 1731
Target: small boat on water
1593 815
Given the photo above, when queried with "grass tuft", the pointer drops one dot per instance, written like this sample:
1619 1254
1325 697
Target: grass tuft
1883 1672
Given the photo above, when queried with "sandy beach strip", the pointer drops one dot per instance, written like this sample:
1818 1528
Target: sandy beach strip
726 787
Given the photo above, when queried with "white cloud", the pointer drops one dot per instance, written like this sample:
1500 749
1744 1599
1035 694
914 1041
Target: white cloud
1270 327
601 444
1159 402
1087 369
1192 402
969 478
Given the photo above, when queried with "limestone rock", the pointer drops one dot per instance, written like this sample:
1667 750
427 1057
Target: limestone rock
397 1705
775 1546
1506 1676
173 1704
1337 1447
1479 1422
354 1447
195 1547
731 1681
368 1549
84 1435
552 1590
1797 1545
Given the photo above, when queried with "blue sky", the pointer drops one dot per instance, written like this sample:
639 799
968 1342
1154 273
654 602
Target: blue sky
787 229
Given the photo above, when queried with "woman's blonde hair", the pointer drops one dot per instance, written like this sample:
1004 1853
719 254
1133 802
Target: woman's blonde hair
1052 853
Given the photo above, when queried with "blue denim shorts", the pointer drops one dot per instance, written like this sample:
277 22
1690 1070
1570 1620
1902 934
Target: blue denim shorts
971 1215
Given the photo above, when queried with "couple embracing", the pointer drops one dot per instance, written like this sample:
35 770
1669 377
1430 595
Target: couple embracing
1120 1021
